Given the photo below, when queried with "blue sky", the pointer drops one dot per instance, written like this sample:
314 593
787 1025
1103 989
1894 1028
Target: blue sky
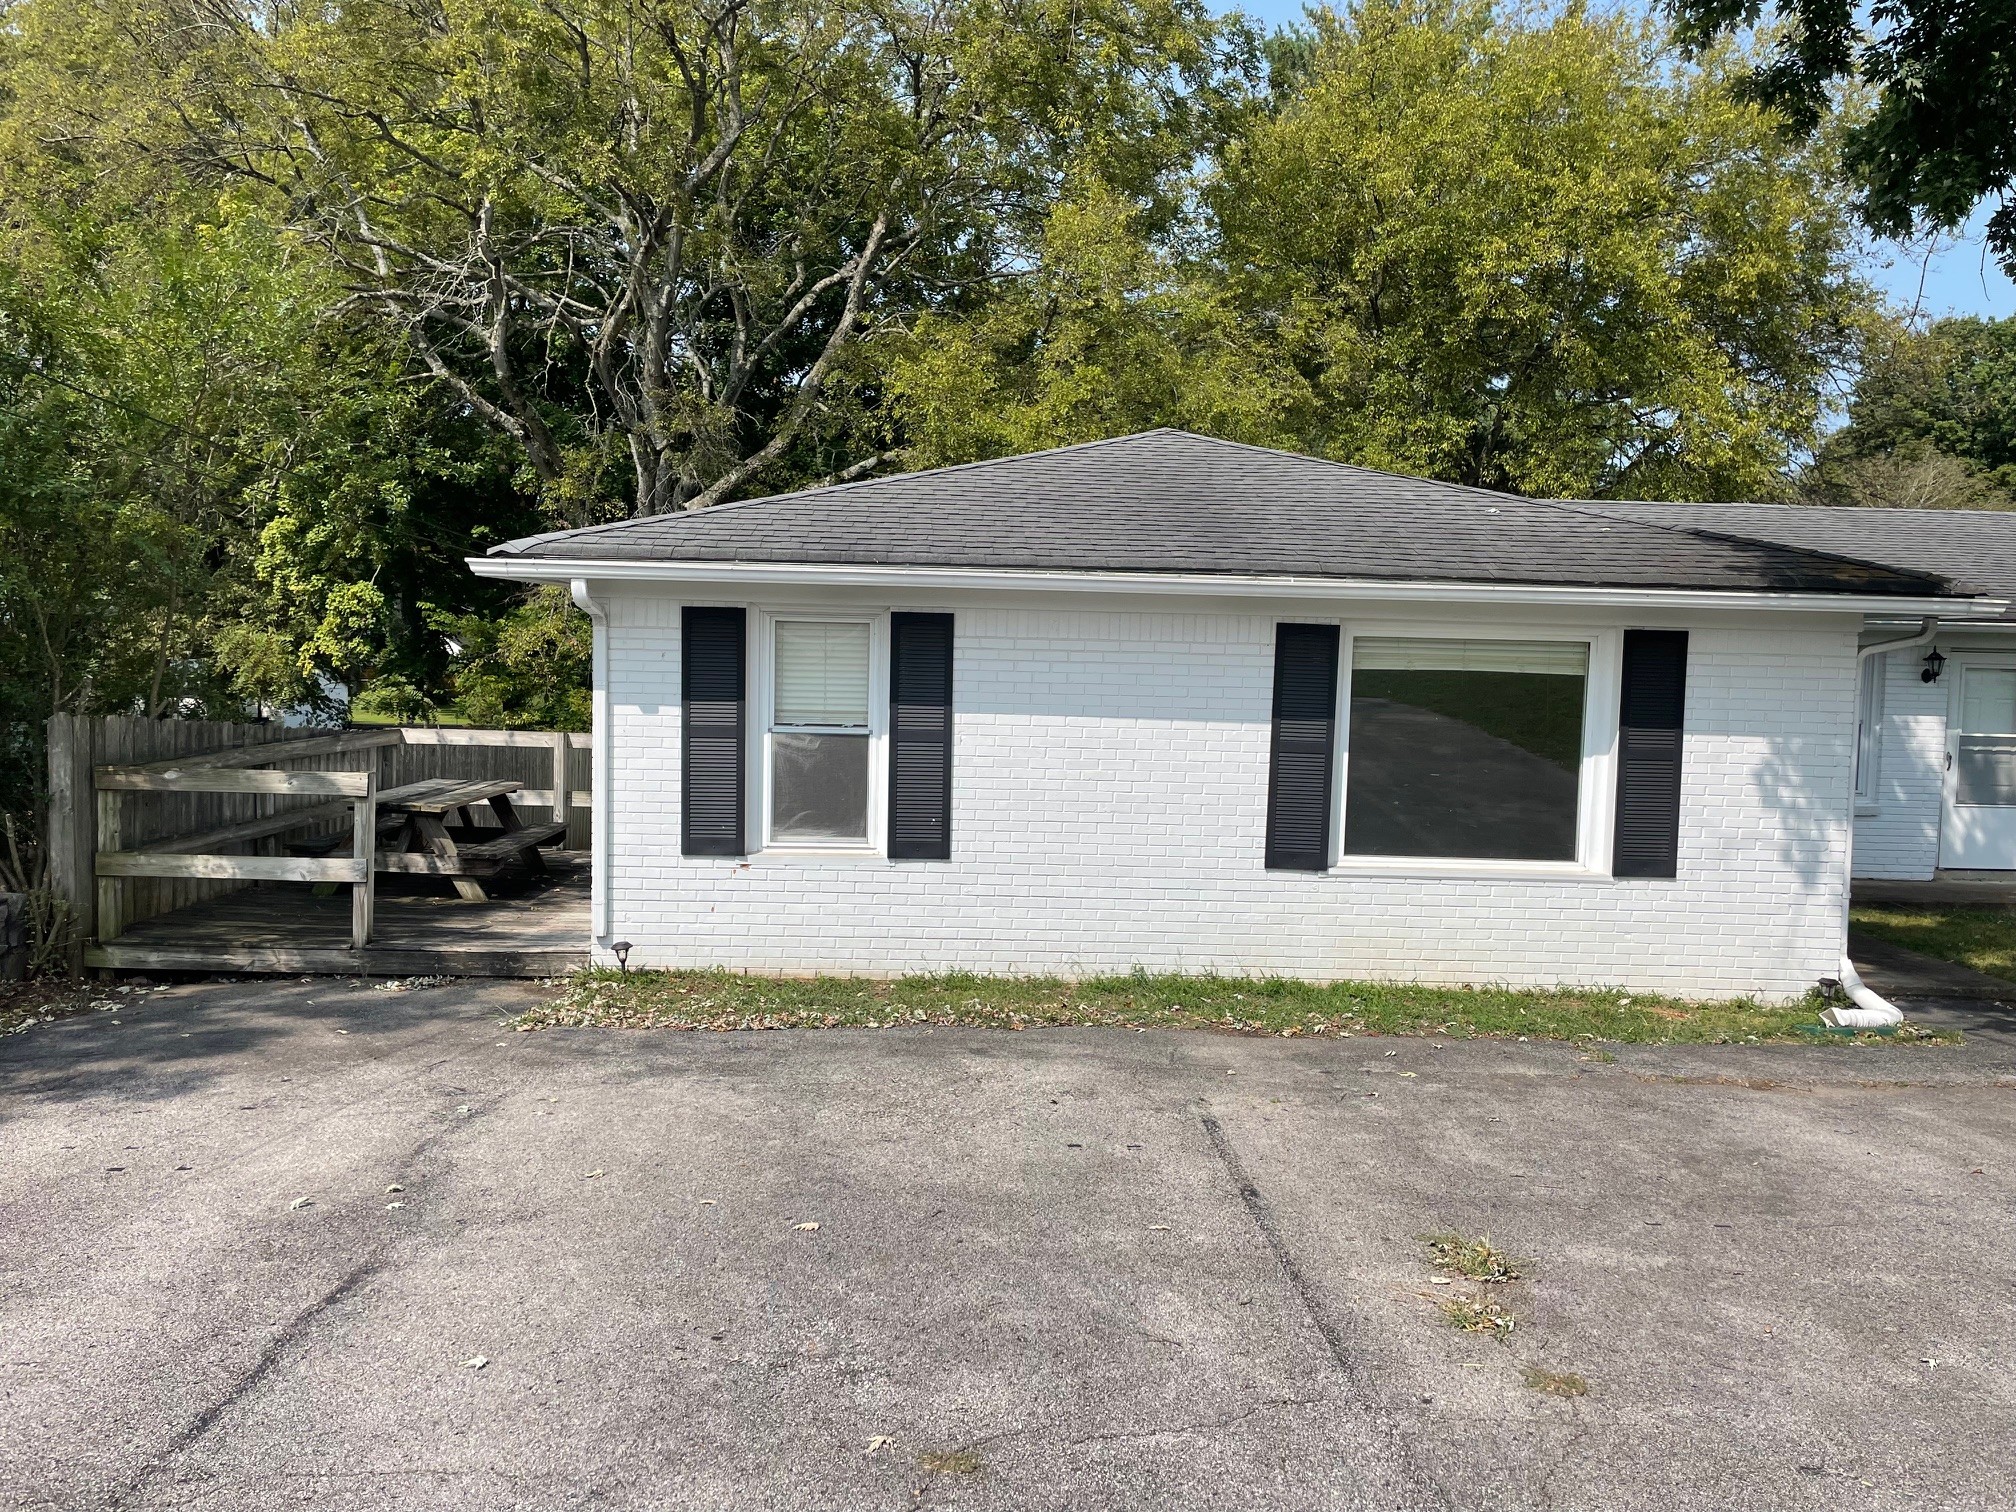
1949 277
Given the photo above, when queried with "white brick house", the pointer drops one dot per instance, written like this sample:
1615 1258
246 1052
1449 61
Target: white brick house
1935 760
1212 708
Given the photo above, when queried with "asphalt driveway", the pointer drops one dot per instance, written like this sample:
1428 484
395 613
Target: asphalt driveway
1059 1269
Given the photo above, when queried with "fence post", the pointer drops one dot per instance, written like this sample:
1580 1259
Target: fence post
563 798
110 838
72 827
364 845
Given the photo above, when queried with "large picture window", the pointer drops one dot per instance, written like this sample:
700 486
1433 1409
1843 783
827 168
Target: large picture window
1465 748
819 732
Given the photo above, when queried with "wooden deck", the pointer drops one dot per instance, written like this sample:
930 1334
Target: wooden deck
421 930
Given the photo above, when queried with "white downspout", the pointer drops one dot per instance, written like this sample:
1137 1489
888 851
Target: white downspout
1870 1010
598 840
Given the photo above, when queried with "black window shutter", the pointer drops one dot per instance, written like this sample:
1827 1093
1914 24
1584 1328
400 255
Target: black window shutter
715 691
1651 713
1299 779
920 737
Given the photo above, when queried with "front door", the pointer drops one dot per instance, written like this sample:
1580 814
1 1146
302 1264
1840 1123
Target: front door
1980 827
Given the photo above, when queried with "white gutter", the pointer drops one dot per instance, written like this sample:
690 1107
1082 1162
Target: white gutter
1214 584
1870 1010
603 767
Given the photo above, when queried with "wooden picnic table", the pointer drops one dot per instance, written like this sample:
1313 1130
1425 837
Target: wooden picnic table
415 820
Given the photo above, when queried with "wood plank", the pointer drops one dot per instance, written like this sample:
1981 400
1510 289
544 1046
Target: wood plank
490 852
442 844
543 798
217 780
559 799
264 753
234 868
442 799
363 847
431 736
110 896
251 829
72 826
373 960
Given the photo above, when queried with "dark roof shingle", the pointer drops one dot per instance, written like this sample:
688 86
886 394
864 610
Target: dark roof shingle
1976 547
1167 501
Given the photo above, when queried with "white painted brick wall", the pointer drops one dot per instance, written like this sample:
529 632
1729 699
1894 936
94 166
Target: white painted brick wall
1110 781
1900 841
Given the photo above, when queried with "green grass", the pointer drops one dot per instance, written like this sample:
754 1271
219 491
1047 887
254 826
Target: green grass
1478 1315
446 719
1476 1259
1984 939
725 1000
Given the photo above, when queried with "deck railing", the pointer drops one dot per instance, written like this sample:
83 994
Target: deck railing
130 840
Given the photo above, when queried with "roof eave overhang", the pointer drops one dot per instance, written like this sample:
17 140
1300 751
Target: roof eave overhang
1215 585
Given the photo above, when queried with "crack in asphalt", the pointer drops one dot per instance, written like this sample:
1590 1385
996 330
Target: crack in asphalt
295 1328
1263 1219
248 1380
1423 1489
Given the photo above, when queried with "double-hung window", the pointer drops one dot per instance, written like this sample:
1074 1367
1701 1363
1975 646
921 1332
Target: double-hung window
820 734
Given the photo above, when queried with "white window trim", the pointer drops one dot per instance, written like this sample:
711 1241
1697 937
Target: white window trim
762 690
1596 791
1869 733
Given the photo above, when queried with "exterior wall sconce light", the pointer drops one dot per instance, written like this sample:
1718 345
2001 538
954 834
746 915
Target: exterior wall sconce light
1934 665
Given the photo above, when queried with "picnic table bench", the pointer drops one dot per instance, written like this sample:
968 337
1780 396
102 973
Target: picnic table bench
415 837
424 843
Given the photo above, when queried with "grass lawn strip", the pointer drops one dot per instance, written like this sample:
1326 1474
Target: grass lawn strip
1984 939
726 1000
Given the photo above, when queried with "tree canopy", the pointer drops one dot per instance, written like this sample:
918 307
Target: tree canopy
1939 138
1931 422
299 305
1537 258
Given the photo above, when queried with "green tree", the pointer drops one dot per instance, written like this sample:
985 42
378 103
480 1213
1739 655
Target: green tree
1940 137
1931 423
1111 333
525 669
1540 257
660 230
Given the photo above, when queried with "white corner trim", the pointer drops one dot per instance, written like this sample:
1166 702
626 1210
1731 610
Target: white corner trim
1214 585
601 767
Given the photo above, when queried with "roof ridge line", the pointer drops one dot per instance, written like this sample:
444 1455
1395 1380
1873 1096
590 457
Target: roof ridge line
1498 495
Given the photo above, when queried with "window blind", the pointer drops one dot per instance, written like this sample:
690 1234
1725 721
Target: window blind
1382 653
822 674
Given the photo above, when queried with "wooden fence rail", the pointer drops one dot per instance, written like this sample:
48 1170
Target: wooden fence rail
148 816
113 864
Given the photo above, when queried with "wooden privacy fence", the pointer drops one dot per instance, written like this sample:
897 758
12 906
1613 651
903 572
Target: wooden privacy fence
148 816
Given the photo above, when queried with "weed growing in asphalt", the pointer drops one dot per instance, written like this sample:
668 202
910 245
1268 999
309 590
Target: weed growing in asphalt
1476 1259
1561 1383
1477 1314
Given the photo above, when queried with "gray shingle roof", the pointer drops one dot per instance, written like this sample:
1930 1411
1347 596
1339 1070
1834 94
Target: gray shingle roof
1166 501
1974 546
